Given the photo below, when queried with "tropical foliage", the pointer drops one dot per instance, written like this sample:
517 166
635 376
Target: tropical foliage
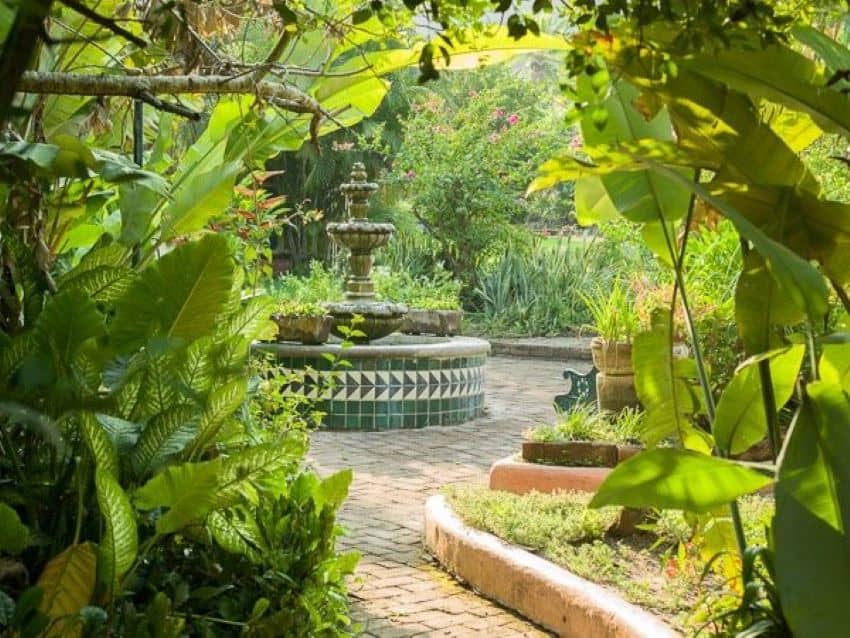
742 114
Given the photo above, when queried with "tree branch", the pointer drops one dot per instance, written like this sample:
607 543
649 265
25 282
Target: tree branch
145 87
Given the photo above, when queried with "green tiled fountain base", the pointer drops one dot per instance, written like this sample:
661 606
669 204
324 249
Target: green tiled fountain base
387 415
383 394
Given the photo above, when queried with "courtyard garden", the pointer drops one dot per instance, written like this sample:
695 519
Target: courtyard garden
567 281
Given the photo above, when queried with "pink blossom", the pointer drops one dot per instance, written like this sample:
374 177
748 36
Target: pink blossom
497 114
409 175
576 142
513 118
494 137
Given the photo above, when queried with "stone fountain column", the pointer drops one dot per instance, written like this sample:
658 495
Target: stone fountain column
361 237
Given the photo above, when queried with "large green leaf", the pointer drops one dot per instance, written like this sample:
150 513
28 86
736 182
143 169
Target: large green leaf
253 320
67 583
834 54
814 228
103 274
166 434
762 310
14 535
778 74
179 297
120 543
740 421
221 404
666 388
677 479
100 445
813 512
237 532
639 196
801 281
68 320
334 489
198 199
834 365
593 205
189 491
256 465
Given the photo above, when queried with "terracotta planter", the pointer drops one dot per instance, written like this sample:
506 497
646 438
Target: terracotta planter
616 392
437 322
612 357
310 330
578 453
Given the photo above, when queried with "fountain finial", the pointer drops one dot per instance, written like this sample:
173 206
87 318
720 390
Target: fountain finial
358 191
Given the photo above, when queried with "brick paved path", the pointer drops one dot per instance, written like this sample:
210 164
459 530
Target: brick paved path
400 592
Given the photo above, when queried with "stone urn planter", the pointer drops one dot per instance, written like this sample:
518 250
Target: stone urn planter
615 382
443 323
307 329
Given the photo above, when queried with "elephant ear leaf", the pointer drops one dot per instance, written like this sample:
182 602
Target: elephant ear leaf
180 297
67 585
120 543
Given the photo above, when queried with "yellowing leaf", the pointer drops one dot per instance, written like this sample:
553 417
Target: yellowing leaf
68 583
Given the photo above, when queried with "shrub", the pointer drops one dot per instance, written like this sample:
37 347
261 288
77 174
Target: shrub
439 291
320 284
539 291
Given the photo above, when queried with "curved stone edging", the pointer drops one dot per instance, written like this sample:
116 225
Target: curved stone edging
392 347
542 591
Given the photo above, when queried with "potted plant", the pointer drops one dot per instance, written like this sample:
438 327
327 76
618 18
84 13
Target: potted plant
584 437
575 454
302 321
615 320
440 316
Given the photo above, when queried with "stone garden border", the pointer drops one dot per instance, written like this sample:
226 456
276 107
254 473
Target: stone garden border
549 595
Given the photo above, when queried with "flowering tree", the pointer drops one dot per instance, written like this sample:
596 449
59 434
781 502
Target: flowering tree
469 152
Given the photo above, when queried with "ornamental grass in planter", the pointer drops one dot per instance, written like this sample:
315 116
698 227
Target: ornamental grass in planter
584 437
615 320
307 323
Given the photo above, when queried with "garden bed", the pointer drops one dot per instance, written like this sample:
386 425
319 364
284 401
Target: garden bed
549 595
658 567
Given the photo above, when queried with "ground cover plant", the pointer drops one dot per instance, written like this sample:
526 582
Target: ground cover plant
585 423
660 567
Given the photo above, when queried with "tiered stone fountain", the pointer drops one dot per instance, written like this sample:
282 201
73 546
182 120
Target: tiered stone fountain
393 381
362 237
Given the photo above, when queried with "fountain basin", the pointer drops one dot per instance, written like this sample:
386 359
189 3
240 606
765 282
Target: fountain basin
397 382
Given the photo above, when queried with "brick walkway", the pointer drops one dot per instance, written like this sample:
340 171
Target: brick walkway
399 591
